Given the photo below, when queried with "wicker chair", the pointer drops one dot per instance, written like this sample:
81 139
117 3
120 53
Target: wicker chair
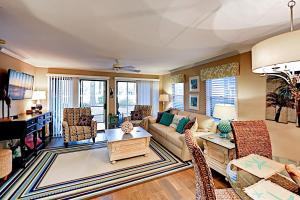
146 112
205 189
251 137
72 131
5 163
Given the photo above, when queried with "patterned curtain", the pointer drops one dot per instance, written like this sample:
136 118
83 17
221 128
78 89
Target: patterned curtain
60 97
178 78
221 71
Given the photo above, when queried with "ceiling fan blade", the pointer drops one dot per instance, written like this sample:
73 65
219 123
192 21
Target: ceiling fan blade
133 70
128 67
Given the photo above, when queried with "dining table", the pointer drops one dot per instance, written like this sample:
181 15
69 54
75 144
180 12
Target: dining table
243 179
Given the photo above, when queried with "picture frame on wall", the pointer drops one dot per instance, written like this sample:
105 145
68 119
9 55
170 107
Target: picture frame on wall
194 101
194 84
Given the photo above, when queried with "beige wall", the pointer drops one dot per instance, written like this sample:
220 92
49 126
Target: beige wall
251 90
7 62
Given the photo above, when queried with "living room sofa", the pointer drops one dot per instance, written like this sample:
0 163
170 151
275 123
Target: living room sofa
174 141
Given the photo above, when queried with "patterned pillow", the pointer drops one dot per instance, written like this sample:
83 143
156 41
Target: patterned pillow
189 125
85 120
136 115
176 120
159 115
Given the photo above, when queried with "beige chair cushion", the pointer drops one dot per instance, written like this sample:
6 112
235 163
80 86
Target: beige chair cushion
205 123
135 122
77 130
162 130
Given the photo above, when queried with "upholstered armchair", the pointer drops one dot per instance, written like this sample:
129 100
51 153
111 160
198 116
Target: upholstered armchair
139 113
77 126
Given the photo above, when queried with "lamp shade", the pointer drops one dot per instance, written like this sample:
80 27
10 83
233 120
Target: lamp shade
164 98
277 54
39 95
224 111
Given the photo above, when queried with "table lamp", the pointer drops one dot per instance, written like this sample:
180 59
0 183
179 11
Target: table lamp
38 96
226 113
164 98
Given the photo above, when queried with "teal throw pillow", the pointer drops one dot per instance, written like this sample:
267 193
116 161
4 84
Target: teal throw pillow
182 124
166 119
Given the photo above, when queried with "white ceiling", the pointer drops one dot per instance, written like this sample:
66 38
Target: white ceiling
154 35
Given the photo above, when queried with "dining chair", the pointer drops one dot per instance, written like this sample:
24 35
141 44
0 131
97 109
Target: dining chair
251 137
205 189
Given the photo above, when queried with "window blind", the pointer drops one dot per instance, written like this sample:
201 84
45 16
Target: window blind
60 95
178 95
220 91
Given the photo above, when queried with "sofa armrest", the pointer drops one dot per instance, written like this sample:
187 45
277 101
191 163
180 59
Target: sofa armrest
94 128
145 123
151 120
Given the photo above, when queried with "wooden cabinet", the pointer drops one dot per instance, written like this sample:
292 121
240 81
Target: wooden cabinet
27 125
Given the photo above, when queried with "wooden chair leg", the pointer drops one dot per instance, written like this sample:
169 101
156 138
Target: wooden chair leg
94 140
66 144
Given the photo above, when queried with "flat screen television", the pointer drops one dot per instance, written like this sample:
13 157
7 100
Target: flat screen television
20 85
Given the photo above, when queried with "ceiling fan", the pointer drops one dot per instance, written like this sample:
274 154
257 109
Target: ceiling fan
118 67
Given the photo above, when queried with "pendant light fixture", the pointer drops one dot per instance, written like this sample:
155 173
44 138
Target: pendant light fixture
279 55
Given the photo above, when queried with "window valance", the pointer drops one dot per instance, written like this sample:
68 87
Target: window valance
220 71
178 78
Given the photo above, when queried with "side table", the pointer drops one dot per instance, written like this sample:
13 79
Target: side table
218 152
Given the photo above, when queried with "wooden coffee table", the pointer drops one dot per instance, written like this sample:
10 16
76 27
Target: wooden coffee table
121 146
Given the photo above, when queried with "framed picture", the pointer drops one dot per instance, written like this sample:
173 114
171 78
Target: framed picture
194 102
194 84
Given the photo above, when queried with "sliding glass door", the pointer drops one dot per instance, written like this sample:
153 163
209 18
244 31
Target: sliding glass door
93 94
126 97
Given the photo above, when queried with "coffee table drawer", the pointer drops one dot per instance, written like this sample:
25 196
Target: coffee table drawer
128 145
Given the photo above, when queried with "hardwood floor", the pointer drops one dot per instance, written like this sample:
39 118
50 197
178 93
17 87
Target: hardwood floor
180 185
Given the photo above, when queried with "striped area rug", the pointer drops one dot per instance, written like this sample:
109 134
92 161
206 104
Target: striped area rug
58 173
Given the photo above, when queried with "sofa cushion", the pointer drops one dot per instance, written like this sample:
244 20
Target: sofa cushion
175 138
174 111
160 129
135 122
166 119
176 120
205 123
182 124
184 113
